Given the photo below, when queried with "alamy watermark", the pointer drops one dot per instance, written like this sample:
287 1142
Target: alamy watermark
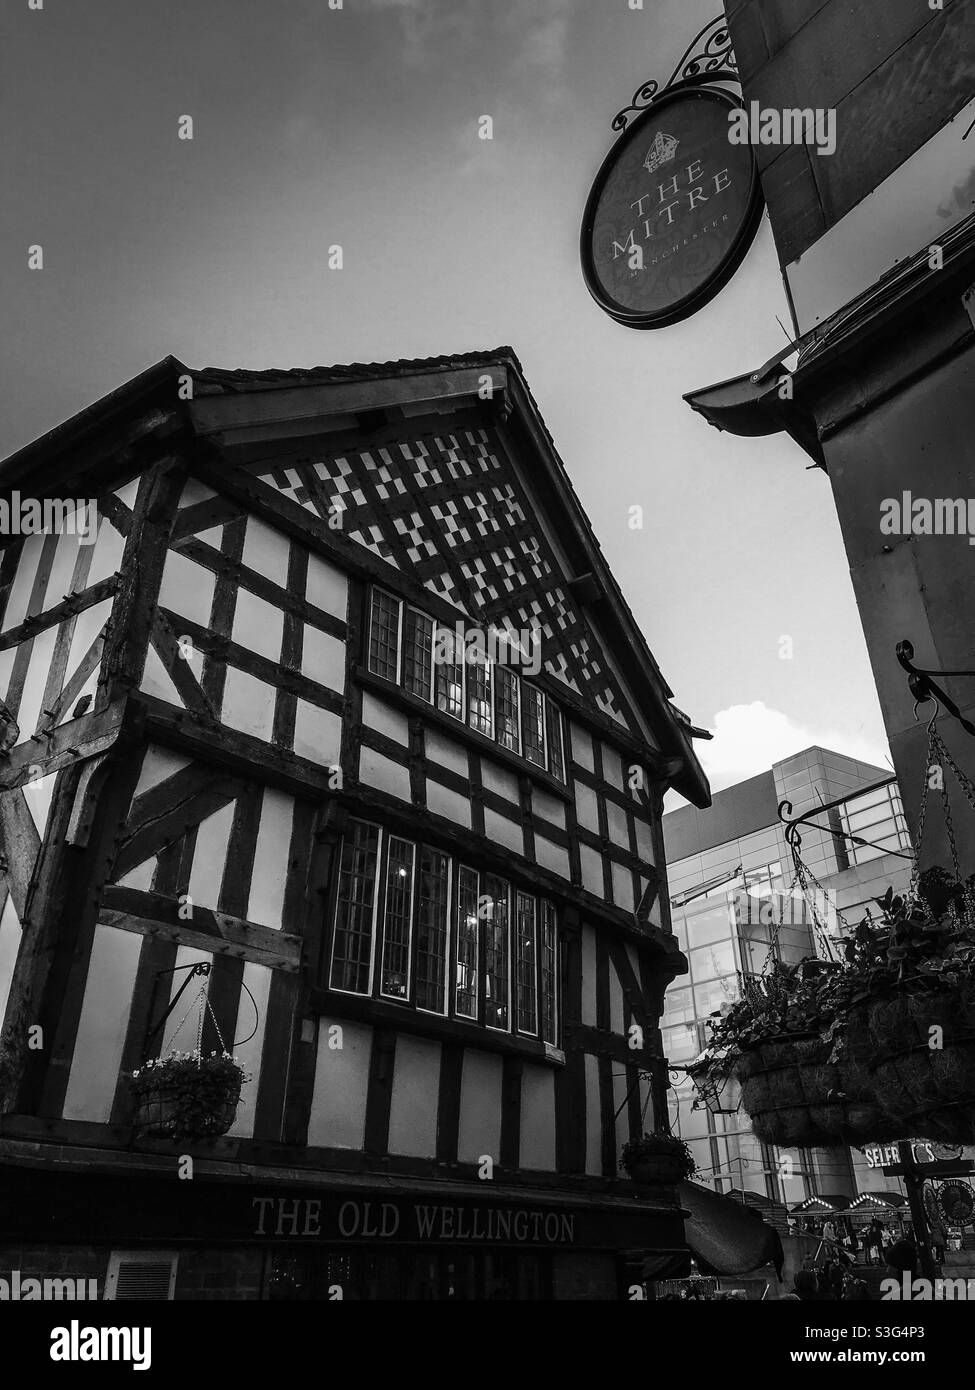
758 125
17 1289
521 648
911 1290
908 515
77 1343
816 908
47 516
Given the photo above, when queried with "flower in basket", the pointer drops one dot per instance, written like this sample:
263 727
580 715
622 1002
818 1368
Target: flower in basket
187 1095
661 1158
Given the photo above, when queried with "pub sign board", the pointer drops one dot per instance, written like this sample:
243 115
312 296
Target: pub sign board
672 212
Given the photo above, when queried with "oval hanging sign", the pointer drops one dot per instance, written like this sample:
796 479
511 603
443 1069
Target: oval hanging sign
672 212
957 1202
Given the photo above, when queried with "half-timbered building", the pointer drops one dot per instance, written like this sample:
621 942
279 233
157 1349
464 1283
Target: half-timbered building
328 703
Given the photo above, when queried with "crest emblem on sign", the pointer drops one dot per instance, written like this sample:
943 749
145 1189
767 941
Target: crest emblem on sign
660 152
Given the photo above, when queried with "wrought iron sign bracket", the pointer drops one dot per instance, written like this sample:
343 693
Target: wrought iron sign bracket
794 840
708 58
201 967
923 688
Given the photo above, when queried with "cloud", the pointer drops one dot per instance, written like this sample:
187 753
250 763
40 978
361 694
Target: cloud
533 35
432 31
748 739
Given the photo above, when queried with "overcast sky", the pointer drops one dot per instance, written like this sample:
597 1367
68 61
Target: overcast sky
359 127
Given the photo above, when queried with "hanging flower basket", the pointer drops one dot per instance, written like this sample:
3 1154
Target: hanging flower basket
799 1045
775 1043
928 1090
920 1053
875 1046
657 1160
868 1049
187 1095
791 1091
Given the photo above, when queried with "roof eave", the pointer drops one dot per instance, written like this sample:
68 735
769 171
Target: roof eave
88 423
753 408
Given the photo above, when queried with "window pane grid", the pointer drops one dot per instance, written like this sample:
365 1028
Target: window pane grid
399 912
507 707
431 932
413 913
352 942
556 764
549 974
384 636
496 954
533 724
418 654
408 647
449 675
479 714
465 1002
527 988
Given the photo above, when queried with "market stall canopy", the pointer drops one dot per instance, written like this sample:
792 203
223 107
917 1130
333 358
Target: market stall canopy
877 1201
725 1236
824 1202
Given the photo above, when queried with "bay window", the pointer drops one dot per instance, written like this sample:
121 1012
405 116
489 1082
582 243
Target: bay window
443 667
415 927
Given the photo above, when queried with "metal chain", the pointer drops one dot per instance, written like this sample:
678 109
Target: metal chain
964 781
203 999
175 1033
806 875
939 756
776 928
216 1025
913 887
939 748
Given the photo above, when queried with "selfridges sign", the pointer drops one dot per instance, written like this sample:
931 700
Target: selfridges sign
672 211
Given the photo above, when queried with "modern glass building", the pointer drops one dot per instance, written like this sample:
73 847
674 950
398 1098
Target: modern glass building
730 873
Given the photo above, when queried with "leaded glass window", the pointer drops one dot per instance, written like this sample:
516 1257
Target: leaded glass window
384 635
398 920
352 943
418 654
449 669
506 693
533 724
526 959
431 931
553 722
479 713
465 999
496 953
549 975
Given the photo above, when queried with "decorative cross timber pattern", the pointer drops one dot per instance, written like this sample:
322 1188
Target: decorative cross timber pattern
449 509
